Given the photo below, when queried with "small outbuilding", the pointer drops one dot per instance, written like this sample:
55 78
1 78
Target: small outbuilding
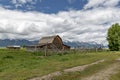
13 47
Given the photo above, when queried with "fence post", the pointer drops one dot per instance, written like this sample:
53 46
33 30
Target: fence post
46 50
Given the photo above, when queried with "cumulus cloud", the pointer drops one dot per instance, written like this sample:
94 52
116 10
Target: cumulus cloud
74 25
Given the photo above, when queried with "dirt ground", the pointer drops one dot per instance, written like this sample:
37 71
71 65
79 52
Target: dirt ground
104 74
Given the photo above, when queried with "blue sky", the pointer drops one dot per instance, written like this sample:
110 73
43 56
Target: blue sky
46 6
73 20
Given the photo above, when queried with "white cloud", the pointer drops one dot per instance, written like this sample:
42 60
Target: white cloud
19 3
81 25
101 3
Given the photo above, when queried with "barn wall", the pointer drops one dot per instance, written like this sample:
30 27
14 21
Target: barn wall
66 47
58 43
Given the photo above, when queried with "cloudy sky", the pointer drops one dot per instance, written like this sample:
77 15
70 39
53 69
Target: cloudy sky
73 20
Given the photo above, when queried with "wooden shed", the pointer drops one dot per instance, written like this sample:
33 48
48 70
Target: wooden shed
49 42
13 47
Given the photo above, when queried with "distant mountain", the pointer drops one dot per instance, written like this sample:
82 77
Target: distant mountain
87 45
21 42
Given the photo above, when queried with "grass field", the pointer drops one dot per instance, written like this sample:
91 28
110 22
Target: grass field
22 65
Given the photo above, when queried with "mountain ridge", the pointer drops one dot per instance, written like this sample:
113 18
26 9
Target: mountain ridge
24 42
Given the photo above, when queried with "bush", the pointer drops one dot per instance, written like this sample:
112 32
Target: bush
8 57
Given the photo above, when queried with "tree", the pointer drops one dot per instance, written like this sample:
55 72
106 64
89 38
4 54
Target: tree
113 37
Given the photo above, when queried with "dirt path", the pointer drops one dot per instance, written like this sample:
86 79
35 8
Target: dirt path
81 68
105 74
58 73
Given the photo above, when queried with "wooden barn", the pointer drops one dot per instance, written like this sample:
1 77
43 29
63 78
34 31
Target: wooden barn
49 42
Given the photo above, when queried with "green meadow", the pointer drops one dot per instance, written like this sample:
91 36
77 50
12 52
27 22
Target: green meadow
23 65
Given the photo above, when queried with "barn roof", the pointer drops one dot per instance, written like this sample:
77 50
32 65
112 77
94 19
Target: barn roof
48 39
